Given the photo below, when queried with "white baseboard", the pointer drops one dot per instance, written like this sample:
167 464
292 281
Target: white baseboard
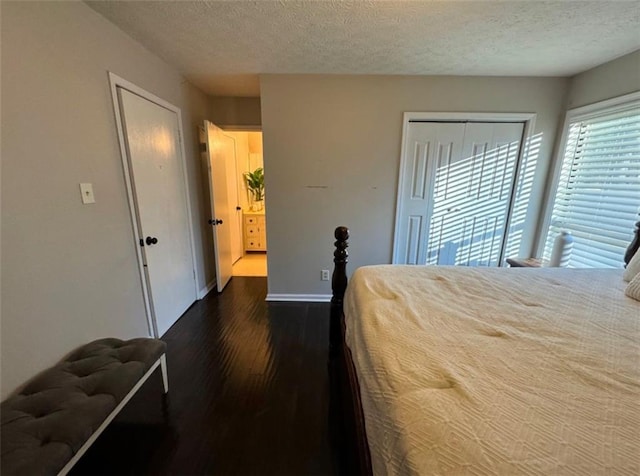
299 297
204 291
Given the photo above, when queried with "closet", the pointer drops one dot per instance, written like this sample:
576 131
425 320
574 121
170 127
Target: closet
455 195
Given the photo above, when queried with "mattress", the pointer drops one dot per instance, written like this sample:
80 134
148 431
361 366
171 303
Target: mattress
496 371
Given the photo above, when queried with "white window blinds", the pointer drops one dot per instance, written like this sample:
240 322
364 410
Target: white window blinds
598 195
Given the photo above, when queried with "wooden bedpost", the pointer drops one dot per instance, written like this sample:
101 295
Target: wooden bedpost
338 287
348 433
340 259
633 246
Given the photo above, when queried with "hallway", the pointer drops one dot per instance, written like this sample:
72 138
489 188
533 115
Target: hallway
251 264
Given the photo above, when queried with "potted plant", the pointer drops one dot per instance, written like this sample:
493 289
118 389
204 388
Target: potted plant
255 183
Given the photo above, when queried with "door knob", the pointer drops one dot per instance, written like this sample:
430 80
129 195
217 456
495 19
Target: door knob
151 241
238 208
215 222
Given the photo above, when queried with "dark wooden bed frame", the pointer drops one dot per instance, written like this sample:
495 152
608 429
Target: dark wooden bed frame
350 433
346 404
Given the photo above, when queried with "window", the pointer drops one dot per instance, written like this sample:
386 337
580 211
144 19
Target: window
598 194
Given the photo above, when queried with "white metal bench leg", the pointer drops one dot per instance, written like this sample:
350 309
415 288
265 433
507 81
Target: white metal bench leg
163 368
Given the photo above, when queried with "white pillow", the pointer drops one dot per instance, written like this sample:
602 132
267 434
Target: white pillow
633 289
633 268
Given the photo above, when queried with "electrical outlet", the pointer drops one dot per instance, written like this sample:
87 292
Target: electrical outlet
324 275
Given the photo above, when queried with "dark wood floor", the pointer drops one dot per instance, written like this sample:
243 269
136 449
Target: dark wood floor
248 394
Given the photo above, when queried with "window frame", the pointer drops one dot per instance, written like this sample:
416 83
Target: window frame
590 111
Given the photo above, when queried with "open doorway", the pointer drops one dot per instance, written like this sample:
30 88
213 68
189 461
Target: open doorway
247 188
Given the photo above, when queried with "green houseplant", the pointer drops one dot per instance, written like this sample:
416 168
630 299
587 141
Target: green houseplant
255 183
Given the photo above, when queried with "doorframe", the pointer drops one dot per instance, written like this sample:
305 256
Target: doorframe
116 81
253 128
528 118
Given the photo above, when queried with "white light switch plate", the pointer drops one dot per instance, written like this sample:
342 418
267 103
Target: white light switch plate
86 189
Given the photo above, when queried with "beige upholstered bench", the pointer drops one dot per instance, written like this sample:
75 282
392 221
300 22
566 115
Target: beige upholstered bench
54 419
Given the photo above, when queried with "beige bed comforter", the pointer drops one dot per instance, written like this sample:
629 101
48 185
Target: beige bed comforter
496 371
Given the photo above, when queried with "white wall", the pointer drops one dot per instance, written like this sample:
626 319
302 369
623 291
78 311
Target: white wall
332 151
235 111
609 80
69 270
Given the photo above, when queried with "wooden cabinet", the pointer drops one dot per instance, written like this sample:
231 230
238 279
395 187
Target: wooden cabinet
255 234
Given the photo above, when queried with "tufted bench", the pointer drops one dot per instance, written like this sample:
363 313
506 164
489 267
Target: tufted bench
49 425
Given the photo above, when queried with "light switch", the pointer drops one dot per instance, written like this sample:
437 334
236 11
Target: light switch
86 189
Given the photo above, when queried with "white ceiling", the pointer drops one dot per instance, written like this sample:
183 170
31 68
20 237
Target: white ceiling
221 46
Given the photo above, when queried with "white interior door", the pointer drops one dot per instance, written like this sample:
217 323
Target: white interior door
471 197
217 145
426 143
241 165
235 211
158 181
468 171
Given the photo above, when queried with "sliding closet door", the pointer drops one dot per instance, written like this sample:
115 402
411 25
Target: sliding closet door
471 197
458 212
429 145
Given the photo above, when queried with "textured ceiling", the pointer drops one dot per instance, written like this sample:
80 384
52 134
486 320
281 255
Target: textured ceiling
221 46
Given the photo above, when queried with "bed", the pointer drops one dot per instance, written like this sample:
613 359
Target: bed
451 370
